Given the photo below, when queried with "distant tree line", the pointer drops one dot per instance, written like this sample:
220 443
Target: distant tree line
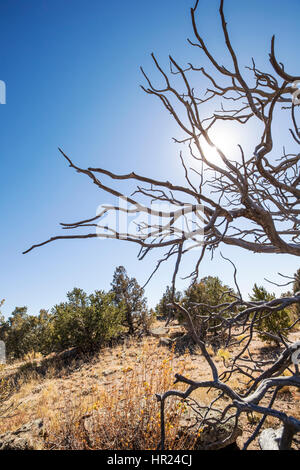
89 322
83 321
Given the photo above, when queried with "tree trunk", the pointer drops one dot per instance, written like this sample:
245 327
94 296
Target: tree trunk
287 437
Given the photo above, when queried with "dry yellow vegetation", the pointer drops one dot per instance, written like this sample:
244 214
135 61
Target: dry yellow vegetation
108 401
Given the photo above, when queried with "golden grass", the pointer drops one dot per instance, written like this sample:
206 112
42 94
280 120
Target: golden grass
122 413
108 401
126 415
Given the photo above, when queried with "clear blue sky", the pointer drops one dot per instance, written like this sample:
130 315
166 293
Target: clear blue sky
71 69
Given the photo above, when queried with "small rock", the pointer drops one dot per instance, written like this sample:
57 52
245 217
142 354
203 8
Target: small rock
110 371
159 332
29 437
213 435
270 439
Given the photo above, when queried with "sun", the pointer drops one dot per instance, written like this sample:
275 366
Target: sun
226 141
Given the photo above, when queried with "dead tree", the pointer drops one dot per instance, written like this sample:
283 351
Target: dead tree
250 201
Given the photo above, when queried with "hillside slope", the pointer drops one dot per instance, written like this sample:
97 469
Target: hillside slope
107 401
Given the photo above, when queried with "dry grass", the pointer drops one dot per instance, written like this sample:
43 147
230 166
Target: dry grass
121 415
108 401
